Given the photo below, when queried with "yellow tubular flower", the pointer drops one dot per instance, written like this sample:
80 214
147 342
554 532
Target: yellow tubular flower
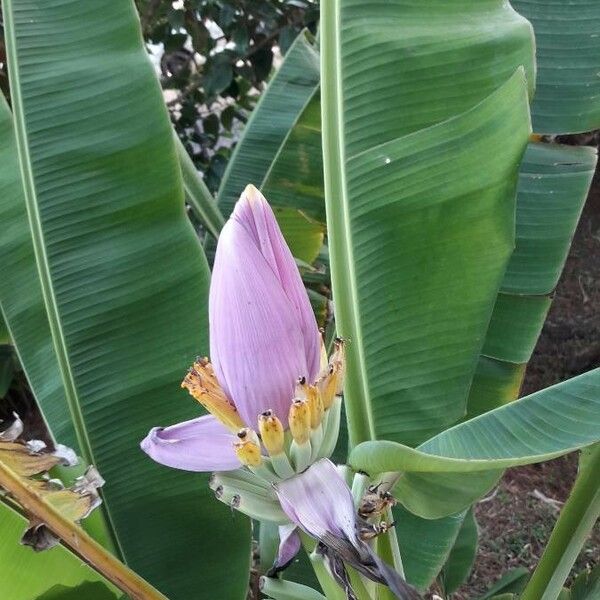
271 432
330 383
316 406
202 384
299 419
247 447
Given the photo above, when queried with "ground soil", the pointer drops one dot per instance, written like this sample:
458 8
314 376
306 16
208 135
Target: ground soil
516 521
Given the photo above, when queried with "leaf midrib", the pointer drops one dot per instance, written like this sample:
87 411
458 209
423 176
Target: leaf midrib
346 258
41 257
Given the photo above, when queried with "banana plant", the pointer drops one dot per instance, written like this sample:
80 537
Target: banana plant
442 259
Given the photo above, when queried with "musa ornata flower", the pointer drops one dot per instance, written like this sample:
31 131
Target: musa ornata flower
273 396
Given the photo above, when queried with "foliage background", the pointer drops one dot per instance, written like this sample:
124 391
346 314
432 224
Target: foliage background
217 57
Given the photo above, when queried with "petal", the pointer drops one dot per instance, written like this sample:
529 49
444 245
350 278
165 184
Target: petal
319 502
256 342
202 444
255 214
289 546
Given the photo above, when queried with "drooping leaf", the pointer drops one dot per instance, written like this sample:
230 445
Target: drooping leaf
567 95
462 556
123 279
419 210
461 463
553 184
55 511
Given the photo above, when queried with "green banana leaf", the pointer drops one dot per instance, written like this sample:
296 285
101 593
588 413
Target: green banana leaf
425 544
4 333
567 97
26 574
420 209
280 152
462 556
112 272
269 125
295 177
553 184
454 468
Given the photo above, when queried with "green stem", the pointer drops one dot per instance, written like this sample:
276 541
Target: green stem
203 205
331 589
574 524
287 590
343 275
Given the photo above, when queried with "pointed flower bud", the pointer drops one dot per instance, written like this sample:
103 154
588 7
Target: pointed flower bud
299 419
271 432
263 333
247 447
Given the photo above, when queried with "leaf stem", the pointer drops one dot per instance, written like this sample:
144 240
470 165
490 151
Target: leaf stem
343 276
574 524
203 205
330 588
76 539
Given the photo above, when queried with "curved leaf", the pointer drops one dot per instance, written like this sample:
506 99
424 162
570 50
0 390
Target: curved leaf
420 215
567 96
541 426
123 279
451 470
54 512
511 582
553 184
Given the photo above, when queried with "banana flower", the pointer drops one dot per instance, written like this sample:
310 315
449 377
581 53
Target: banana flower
273 396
